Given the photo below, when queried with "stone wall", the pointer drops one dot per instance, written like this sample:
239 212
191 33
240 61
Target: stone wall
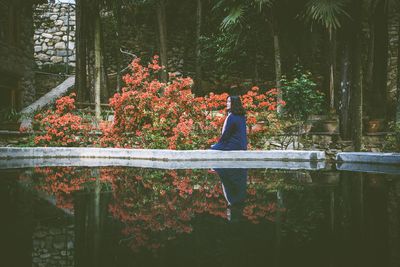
53 45
53 246
54 34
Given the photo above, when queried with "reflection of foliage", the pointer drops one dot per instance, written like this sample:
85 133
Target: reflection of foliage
154 206
305 214
301 210
61 182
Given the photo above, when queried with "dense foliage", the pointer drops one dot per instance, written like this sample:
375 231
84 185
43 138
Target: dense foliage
151 114
301 95
62 126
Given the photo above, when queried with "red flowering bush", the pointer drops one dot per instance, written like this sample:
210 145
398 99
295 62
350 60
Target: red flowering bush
262 108
152 114
61 126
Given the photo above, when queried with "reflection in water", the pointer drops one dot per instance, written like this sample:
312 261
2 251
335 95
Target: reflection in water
145 217
234 186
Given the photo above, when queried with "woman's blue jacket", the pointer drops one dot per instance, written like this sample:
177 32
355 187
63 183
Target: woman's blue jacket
234 136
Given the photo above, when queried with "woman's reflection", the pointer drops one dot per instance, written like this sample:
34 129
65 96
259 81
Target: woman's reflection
234 186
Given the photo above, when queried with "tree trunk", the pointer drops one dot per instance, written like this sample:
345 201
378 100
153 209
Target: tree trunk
345 94
197 83
278 63
162 31
398 75
80 72
379 100
332 67
357 76
370 58
97 65
118 39
96 218
370 63
105 88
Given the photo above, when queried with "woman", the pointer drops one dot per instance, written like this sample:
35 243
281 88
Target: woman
234 135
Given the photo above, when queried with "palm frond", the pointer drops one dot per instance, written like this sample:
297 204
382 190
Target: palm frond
326 12
234 16
263 3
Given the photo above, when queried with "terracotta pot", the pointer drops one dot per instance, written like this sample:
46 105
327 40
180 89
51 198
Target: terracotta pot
375 125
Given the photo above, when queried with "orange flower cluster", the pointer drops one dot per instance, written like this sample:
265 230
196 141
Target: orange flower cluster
61 127
152 114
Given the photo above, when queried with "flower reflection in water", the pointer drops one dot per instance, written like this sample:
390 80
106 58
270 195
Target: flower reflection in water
151 207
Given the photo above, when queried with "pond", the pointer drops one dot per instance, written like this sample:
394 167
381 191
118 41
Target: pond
125 216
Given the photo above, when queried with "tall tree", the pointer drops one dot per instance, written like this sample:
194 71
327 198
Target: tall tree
97 63
371 49
357 73
117 18
328 13
398 70
379 84
80 71
277 55
198 77
344 106
162 34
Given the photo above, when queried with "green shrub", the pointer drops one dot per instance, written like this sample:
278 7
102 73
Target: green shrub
301 96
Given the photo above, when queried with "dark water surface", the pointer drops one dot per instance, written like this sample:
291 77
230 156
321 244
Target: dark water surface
115 216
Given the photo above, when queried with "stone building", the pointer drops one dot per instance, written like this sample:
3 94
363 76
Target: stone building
16 53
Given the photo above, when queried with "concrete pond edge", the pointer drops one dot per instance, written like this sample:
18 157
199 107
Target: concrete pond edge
160 154
369 158
15 157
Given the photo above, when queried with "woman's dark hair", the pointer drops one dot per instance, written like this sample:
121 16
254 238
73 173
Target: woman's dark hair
236 106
